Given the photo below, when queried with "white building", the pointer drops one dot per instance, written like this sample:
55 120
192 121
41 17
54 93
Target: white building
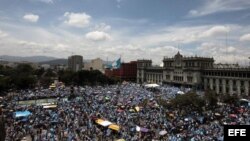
95 64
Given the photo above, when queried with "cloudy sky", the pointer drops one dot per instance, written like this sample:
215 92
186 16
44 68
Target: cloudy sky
132 29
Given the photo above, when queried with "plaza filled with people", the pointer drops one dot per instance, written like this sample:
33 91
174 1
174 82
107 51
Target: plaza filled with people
124 112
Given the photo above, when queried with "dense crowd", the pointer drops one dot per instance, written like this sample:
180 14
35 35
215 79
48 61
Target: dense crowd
130 106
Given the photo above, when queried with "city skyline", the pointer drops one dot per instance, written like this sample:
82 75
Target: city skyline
131 29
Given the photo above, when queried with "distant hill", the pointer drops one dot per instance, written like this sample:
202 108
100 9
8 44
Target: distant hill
60 61
42 60
65 62
56 62
34 59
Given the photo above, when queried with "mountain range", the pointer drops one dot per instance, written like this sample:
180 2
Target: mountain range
35 59
41 59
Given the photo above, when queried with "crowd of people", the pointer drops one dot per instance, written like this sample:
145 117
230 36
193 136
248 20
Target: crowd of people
133 108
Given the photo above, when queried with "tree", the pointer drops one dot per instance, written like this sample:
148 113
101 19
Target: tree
23 76
39 72
189 101
230 99
211 98
5 83
48 77
66 76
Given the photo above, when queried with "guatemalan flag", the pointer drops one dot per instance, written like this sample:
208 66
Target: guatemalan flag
116 64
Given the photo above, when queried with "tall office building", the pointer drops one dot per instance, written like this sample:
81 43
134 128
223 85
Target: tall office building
75 63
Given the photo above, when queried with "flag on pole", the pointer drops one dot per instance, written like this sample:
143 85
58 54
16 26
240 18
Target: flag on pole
116 64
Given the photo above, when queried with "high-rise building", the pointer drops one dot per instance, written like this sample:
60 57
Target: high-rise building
75 63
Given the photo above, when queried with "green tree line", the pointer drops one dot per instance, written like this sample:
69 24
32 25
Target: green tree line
24 76
193 102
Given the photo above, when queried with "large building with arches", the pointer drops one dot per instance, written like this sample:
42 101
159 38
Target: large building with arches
198 73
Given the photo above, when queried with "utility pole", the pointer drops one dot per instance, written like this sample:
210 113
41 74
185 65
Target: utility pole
249 61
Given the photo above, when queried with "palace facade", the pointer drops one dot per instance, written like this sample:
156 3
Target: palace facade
198 73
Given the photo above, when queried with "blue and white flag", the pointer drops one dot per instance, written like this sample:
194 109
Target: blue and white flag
108 66
116 64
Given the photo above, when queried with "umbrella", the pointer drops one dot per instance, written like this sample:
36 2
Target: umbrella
217 114
151 85
119 104
131 110
171 115
137 108
144 129
245 100
156 105
163 132
120 140
180 92
49 106
114 127
22 113
120 110
24 120
141 129
138 128
103 122
233 116
241 110
99 121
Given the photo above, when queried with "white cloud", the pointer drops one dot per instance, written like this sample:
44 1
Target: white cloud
183 35
118 3
215 49
215 6
3 34
98 36
132 52
45 1
79 20
245 37
152 44
215 31
38 41
102 27
223 54
31 18
193 12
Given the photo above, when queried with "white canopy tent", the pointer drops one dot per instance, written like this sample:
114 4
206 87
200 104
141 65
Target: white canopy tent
180 92
244 100
152 85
